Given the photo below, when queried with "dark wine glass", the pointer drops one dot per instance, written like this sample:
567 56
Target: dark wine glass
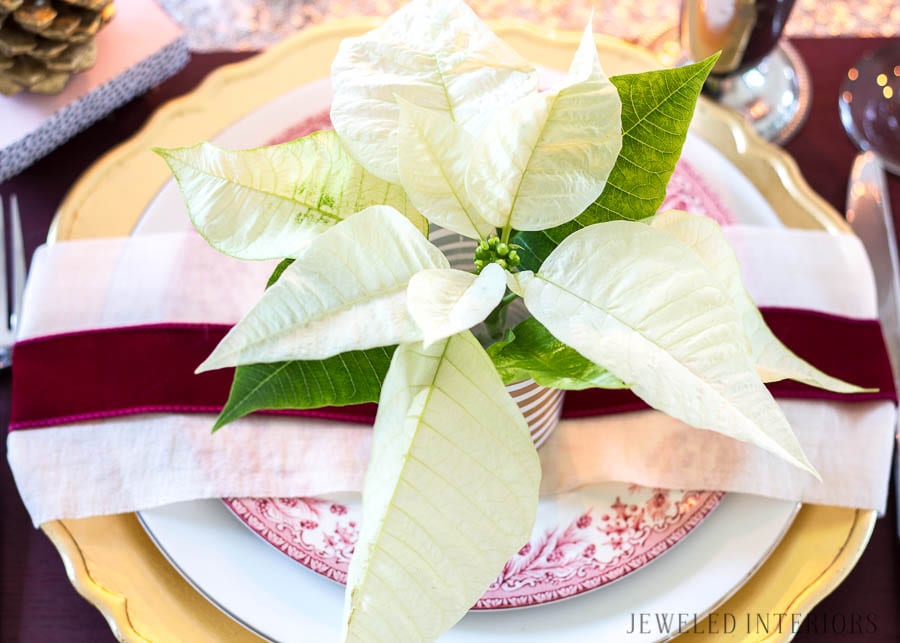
757 73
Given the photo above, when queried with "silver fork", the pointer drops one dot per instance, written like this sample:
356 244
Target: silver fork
12 283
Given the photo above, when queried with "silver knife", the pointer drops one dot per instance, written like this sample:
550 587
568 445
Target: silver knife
869 214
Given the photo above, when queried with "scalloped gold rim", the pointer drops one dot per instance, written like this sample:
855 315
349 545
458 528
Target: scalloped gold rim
112 605
111 561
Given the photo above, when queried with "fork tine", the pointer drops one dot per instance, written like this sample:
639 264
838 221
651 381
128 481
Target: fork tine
17 246
4 284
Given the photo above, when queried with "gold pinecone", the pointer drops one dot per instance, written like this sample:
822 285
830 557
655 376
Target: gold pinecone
44 42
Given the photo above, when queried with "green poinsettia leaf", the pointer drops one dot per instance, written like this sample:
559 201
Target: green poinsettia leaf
657 108
354 377
531 351
663 326
279 270
450 494
270 202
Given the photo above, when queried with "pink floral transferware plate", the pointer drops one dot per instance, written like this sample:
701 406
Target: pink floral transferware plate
581 541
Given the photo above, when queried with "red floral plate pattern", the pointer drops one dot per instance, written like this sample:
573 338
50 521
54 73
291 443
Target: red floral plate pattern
572 550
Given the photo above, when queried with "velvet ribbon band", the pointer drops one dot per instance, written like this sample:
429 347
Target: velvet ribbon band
89 375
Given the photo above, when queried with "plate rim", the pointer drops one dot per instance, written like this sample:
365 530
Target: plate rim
790 580
150 521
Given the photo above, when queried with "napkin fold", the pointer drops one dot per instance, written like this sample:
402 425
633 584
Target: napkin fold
137 462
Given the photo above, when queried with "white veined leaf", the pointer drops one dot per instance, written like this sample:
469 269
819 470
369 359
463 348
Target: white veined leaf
640 303
436 54
774 361
450 494
346 291
545 158
268 203
444 302
434 156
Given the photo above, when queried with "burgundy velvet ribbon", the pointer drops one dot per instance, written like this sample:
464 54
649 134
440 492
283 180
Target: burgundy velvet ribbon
72 377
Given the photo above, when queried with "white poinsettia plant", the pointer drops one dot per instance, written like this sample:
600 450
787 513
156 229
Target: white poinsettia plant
439 122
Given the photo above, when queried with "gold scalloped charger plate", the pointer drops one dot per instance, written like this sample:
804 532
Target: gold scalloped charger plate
112 561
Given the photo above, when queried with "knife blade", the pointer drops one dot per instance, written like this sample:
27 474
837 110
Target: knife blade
869 214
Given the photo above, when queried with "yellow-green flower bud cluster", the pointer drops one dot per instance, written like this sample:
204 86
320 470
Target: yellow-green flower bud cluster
495 251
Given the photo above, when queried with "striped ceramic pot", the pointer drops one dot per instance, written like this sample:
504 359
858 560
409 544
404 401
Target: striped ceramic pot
540 405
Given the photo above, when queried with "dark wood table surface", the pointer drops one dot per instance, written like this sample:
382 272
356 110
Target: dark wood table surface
37 603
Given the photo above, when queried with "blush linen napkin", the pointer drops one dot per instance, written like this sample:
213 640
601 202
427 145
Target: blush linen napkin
121 464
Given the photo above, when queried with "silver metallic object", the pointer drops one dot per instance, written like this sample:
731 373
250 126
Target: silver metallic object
12 281
869 214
